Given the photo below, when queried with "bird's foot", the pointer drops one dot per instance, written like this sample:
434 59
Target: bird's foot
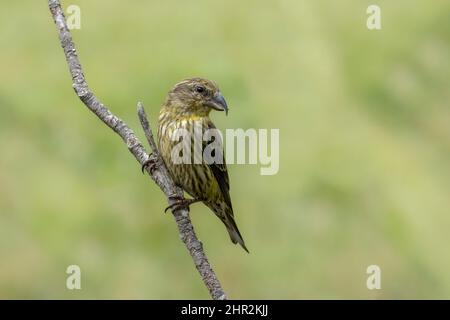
150 163
181 203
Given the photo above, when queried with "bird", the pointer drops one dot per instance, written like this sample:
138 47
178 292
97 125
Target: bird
187 104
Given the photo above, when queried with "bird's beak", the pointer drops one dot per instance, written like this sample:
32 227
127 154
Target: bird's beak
218 103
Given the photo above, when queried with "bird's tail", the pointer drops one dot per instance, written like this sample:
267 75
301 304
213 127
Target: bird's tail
233 231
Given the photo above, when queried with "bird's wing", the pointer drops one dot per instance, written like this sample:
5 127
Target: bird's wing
221 174
220 171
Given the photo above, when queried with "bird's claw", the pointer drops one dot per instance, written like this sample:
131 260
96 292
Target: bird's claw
150 162
180 203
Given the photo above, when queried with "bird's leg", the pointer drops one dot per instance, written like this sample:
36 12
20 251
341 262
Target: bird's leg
151 162
181 202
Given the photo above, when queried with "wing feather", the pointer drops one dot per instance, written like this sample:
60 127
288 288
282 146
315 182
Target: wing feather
220 171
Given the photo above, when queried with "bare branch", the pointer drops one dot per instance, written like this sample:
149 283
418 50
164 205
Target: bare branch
157 172
146 126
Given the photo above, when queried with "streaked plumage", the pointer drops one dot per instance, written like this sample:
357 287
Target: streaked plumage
189 103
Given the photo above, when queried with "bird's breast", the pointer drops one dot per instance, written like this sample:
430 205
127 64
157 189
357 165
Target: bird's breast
193 176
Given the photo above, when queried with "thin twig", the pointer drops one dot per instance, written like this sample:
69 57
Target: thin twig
158 173
146 126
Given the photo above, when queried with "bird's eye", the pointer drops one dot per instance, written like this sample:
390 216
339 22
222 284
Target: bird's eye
200 89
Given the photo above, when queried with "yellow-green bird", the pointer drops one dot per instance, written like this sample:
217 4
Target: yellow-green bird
187 105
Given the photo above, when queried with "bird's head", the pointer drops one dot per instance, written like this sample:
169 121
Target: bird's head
196 96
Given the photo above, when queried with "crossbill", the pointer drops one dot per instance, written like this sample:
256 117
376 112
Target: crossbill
187 105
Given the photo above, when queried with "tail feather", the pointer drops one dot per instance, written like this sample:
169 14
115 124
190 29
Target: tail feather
225 213
234 233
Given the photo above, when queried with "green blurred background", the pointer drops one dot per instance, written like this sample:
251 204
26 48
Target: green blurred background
364 123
